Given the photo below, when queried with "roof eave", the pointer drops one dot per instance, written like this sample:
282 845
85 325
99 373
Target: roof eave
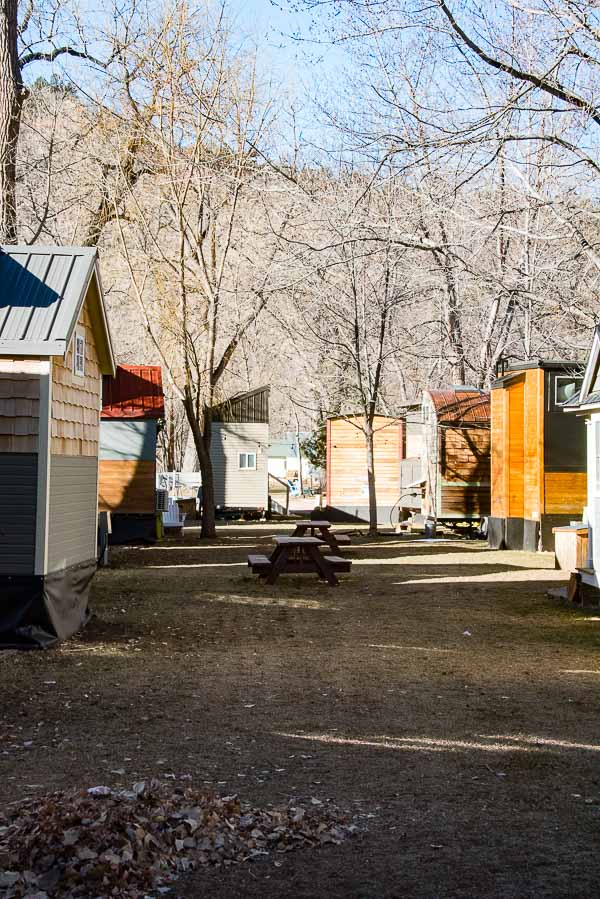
111 364
33 348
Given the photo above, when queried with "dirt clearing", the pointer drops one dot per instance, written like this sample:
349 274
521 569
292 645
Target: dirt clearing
436 694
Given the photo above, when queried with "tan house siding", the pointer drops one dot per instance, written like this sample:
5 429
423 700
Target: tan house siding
76 400
72 515
236 487
19 405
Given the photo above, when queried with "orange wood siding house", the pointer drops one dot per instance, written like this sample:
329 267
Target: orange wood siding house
54 348
346 468
133 408
456 454
539 461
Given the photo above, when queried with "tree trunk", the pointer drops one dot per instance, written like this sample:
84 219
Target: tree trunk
11 101
371 480
201 435
300 478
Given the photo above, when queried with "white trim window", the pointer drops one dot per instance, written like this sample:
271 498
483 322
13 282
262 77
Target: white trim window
247 461
79 354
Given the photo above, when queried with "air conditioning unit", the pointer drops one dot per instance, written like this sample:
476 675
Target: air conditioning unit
162 500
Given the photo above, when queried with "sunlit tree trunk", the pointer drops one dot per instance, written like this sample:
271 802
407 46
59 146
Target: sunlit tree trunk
11 101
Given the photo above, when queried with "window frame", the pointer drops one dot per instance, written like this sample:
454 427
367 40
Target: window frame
246 456
79 335
578 382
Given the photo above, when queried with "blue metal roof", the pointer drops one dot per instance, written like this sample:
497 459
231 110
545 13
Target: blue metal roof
42 290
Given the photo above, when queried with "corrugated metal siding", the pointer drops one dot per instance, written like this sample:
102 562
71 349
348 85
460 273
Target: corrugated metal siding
72 512
251 407
41 289
122 440
18 501
235 486
136 391
461 406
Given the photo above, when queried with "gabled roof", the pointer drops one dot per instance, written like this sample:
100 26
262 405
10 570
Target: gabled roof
135 391
587 396
455 406
42 290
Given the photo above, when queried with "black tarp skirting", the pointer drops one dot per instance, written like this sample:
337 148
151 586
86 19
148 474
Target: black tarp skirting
37 611
132 529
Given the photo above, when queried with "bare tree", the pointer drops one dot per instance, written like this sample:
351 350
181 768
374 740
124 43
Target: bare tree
355 301
200 274
42 34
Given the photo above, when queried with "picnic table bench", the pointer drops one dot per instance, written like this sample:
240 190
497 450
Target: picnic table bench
322 529
297 555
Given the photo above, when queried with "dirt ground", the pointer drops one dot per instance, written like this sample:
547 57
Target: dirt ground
437 694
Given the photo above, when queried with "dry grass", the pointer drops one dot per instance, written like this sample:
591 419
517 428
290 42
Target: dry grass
473 759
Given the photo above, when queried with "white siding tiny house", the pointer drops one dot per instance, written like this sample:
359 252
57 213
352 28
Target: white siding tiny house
587 403
240 464
239 450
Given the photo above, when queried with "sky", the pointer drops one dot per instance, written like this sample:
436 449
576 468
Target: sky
284 36
293 56
295 53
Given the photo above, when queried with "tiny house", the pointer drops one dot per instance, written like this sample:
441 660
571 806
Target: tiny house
239 451
584 408
133 409
54 348
346 468
539 477
456 454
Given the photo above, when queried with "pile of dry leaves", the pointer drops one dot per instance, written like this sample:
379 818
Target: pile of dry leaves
124 843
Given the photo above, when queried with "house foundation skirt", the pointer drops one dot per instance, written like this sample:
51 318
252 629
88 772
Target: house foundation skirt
524 533
37 611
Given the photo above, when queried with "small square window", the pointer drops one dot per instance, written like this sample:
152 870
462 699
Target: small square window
79 354
248 461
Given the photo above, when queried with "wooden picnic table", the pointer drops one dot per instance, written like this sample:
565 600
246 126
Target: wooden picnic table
323 530
297 555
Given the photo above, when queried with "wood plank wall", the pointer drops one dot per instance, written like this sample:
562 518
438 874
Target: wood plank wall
127 486
76 401
521 488
533 430
565 493
499 505
465 471
516 450
518 447
347 462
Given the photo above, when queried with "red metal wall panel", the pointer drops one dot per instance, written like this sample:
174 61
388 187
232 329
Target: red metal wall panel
136 391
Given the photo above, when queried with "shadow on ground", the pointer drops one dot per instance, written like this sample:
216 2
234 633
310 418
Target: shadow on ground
436 694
